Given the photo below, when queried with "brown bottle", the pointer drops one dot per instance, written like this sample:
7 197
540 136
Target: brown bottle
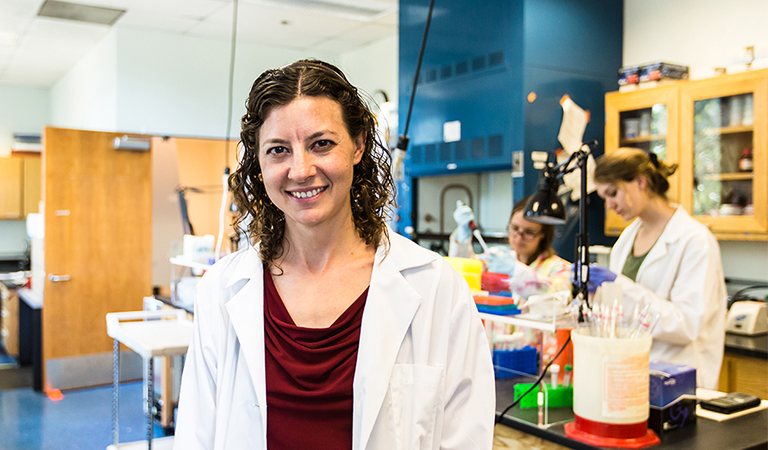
745 161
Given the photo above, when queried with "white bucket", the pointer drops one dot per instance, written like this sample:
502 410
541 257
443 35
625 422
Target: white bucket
610 378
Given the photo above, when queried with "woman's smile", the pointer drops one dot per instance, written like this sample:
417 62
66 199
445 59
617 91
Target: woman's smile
307 194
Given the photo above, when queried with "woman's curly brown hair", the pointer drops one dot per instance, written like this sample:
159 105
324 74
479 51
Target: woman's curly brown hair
372 185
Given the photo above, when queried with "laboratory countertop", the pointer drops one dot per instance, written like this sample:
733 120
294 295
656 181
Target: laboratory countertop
756 346
741 433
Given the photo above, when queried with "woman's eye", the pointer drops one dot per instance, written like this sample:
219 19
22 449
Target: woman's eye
323 144
276 150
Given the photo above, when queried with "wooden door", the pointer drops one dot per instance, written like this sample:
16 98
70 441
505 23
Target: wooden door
98 206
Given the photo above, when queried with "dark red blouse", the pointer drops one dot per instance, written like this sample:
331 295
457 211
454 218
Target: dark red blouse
309 374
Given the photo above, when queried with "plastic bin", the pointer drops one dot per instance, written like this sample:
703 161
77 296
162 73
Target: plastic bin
494 282
495 304
513 363
469 268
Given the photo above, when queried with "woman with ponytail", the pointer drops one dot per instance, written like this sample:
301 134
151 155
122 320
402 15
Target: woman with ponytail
666 261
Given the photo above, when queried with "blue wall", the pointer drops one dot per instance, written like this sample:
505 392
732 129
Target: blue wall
481 61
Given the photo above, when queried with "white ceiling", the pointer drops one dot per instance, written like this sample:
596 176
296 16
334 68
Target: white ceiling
38 51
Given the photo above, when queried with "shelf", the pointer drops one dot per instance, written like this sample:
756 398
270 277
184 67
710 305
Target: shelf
736 176
179 261
530 321
162 443
640 139
728 130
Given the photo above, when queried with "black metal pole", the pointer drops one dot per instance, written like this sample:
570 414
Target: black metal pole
583 239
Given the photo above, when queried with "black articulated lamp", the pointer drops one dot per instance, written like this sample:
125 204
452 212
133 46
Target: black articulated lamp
545 207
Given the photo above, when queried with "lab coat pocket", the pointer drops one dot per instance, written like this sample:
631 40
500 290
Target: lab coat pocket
245 426
244 423
416 403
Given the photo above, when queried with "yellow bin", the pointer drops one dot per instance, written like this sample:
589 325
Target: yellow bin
470 269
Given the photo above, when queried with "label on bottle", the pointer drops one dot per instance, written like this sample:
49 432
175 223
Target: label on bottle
745 164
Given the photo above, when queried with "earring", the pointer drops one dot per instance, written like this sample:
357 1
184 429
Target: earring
260 178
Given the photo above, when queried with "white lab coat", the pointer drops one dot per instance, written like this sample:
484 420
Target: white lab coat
682 277
424 376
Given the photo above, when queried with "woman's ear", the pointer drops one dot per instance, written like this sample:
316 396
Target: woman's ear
360 146
642 182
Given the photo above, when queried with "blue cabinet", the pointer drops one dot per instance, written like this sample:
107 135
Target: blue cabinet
482 62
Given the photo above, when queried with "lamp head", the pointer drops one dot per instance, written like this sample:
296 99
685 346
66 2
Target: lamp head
545 206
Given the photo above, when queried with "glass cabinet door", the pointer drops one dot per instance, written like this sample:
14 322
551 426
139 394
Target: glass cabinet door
648 120
722 156
722 138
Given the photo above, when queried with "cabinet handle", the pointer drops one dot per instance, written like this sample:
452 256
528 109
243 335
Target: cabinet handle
58 278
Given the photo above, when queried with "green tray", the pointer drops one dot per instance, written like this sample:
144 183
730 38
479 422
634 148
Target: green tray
553 398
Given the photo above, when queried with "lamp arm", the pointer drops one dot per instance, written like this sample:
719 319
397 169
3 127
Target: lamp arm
580 156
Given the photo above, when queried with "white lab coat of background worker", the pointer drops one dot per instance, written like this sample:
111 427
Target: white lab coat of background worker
681 275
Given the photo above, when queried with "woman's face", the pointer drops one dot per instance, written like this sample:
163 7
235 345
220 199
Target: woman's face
625 198
524 236
307 159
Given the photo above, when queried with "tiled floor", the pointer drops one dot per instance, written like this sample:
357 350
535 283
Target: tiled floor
81 420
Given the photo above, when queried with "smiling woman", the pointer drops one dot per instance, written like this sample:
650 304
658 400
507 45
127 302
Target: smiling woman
344 333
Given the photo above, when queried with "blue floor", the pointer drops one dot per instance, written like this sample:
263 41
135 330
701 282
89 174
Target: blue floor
29 420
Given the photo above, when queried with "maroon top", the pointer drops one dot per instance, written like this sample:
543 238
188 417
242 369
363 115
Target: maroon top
309 374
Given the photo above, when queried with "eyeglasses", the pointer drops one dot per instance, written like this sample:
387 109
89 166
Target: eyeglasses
523 233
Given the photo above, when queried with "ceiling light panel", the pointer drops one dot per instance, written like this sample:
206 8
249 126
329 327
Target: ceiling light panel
158 22
14 24
64 31
79 12
361 10
18 7
8 38
196 9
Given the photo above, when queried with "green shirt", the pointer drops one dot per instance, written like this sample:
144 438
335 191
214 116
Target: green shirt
632 265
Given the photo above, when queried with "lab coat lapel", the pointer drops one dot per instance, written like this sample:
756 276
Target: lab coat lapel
246 311
389 311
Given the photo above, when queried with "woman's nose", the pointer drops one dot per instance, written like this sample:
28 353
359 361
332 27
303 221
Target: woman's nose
302 166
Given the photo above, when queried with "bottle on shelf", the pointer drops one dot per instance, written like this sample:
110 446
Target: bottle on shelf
745 161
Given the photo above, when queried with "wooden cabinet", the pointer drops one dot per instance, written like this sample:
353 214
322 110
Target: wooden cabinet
33 183
717 131
9 320
11 176
747 374
21 185
649 120
723 121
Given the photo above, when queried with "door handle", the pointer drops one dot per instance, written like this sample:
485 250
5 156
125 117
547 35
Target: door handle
58 278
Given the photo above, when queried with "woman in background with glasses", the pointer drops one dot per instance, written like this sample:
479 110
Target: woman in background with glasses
530 262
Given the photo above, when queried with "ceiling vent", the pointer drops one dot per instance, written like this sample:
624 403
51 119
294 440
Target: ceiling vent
81 13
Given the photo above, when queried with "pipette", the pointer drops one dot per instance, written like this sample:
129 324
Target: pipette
479 237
